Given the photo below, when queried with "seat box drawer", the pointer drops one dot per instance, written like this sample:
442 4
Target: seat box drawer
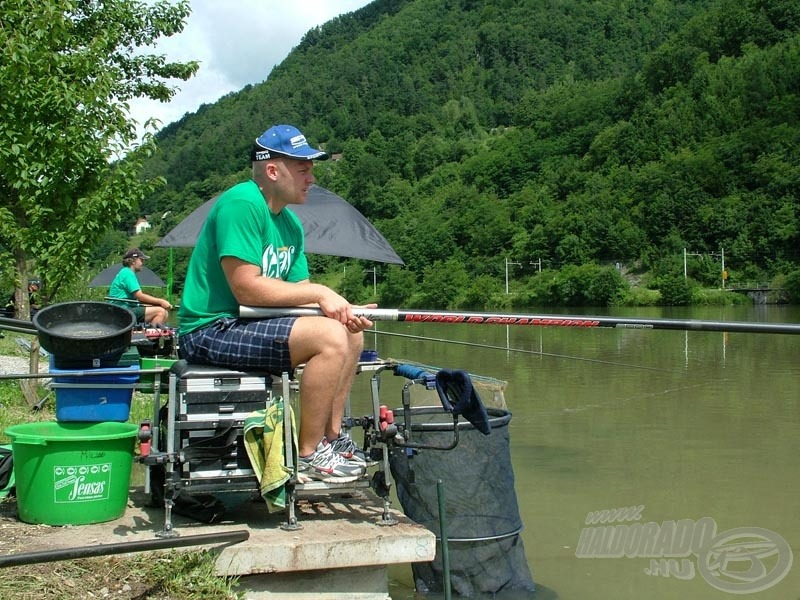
222 398
225 384
209 455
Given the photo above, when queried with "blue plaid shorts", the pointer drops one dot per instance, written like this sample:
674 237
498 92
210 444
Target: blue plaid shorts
258 344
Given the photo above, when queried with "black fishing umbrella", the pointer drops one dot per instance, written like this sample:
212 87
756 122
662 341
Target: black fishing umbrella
146 277
332 226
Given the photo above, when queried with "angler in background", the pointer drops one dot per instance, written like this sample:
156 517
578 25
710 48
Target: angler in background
127 289
34 300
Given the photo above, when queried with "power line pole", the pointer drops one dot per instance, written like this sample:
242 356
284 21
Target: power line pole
508 262
374 282
685 254
721 254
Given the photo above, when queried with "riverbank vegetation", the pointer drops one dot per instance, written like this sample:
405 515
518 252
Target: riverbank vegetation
576 153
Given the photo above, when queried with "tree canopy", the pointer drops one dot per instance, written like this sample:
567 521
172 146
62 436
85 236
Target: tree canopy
68 69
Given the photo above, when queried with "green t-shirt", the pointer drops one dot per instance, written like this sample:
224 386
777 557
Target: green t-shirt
240 225
124 286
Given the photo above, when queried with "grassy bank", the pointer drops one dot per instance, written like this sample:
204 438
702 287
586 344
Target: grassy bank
158 575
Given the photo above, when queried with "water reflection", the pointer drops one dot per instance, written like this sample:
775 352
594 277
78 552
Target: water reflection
688 425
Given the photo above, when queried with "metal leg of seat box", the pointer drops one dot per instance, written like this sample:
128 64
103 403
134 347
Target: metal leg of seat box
291 461
153 427
169 476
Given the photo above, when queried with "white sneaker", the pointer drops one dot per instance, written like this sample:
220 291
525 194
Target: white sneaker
329 466
345 446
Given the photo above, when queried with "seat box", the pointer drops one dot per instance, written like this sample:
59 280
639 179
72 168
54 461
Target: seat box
211 405
223 397
94 395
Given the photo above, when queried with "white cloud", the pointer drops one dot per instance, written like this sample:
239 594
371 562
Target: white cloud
237 42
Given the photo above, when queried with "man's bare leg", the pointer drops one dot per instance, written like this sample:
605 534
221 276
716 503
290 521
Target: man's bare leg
155 315
355 342
325 347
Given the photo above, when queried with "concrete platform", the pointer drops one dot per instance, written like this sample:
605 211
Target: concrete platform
341 551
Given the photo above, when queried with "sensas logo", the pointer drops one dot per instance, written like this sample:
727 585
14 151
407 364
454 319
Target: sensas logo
81 483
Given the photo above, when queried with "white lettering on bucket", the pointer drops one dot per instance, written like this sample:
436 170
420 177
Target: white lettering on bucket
86 483
83 490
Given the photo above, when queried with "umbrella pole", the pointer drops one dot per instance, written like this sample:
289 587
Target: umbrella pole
169 276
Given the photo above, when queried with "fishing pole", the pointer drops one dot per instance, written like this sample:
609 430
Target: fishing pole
127 300
483 318
136 302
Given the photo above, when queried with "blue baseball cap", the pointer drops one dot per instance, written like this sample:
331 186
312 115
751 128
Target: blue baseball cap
286 141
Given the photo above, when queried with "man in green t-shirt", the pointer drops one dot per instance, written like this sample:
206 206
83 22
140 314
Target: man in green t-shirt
126 291
250 252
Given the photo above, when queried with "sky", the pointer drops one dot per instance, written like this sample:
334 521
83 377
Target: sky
237 42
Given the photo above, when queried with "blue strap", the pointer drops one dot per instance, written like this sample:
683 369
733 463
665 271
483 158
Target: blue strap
416 373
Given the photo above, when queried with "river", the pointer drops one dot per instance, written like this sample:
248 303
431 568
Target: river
698 429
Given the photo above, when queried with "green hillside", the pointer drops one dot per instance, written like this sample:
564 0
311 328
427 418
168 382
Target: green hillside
584 140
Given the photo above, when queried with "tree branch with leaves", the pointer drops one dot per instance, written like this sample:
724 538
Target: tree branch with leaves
70 160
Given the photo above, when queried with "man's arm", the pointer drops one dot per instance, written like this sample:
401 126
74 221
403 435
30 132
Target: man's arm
250 288
152 300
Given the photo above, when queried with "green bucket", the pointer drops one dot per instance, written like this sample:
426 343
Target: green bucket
71 473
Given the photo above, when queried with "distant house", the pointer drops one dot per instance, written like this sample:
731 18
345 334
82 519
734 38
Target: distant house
142 224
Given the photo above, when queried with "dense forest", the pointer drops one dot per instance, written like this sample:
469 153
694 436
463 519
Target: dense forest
583 145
